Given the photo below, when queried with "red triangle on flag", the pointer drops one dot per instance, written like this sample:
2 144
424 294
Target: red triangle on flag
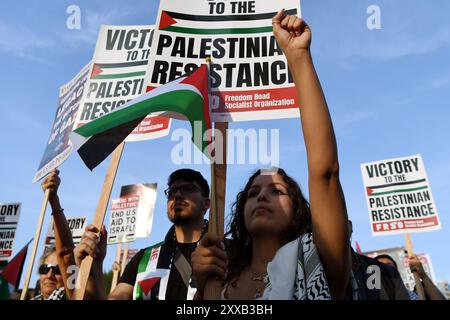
147 284
197 79
13 269
369 191
149 88
96 70
166 21
200 80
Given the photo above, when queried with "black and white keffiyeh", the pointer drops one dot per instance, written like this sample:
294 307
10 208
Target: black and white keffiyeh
57 294
296 272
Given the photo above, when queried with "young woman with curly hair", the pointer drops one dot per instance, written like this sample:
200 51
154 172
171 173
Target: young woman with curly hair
280 247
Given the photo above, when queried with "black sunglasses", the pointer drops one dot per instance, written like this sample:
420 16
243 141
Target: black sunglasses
184 190
45 268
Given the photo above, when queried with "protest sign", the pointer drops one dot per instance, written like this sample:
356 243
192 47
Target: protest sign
249 74
132 214
147 200
122 220
399 196
117 76
58 146
9 217
130 254
77 226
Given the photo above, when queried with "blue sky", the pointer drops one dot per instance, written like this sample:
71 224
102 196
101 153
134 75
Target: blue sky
388 93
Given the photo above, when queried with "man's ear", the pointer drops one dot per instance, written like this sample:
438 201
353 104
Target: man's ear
206 204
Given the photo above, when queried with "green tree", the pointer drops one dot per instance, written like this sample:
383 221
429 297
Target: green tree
107 278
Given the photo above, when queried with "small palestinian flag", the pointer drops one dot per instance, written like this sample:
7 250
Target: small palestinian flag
184 98
223 24
10 275
102 71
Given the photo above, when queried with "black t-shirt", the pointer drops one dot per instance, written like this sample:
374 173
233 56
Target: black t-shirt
176 290
392 286
130 272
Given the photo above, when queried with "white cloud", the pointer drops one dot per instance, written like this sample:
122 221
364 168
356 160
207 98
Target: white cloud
440 82
352 118
22 41
440 181
403 34
402 42
90 25
28 122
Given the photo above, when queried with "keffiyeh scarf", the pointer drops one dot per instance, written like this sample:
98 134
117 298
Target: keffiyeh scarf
57 294
296 272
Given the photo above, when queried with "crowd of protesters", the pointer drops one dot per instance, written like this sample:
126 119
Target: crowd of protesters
278 245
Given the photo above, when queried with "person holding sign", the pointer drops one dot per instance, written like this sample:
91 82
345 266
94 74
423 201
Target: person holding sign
367 271
281 247
162 271
431 291
50 280
55 265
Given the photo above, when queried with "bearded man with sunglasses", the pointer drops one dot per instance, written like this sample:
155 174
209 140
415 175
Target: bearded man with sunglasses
161 271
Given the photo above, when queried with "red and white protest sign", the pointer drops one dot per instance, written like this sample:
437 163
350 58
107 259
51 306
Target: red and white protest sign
9 218
117 76
132 214
122 223
250 78
399 196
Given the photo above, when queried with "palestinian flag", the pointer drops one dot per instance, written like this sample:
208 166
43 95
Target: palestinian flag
10 275
397 187
197 24
102 71
184 98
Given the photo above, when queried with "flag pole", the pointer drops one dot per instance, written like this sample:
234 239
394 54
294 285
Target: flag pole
116 267
409 248
220 175
218 190
213 286
35 244
86 264
124 259
213 225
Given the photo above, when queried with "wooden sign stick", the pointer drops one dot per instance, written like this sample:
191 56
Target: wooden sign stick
86 264
116 267
124 259
37 236
217 208
419 287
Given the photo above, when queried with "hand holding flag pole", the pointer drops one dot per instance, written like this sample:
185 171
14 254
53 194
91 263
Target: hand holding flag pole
218 189
187 96
86 264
